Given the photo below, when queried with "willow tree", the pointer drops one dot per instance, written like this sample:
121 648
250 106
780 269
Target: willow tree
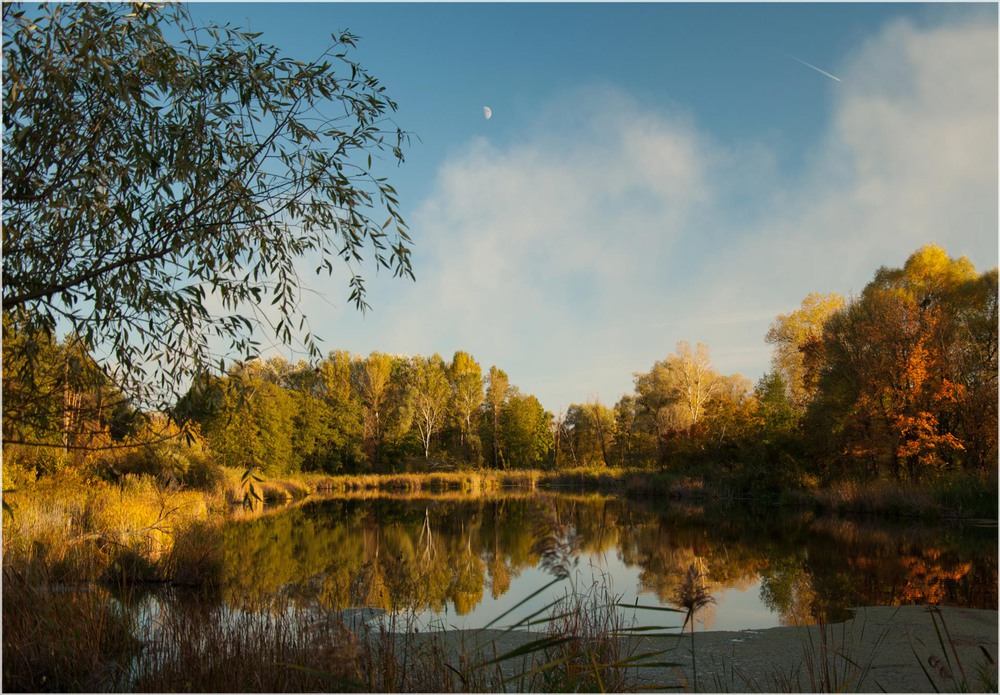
167 184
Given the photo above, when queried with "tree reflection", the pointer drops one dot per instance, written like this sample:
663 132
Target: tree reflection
432 554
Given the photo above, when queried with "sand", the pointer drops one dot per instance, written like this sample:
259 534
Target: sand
880 649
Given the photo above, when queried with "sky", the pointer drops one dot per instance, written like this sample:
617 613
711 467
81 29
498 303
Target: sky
653 172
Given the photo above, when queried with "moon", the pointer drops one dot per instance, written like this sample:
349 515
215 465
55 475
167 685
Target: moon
488 112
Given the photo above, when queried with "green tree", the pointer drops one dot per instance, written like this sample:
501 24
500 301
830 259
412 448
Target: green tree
588 430
497 392
627 443
775 408
164 181
525 432
346 419
316 439
255 425
56 396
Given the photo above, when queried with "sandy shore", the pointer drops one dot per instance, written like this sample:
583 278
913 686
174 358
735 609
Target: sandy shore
880 649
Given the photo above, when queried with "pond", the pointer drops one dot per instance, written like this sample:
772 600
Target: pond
458 562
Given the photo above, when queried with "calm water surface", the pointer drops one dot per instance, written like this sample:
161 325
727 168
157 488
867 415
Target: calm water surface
465 562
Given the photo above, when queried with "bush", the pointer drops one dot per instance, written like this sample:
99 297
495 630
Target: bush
202 474
25 464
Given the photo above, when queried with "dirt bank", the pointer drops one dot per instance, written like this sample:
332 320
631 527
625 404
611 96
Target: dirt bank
880 649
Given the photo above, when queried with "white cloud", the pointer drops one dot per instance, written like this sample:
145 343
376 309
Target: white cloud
581 253
543 253
910 159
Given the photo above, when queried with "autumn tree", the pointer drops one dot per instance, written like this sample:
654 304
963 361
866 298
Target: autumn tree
896 377
671 397
731 414
466 379
164 184
657 414
695 379
371 380
792 336
973 360
429 394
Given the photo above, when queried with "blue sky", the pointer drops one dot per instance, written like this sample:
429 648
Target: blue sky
654 172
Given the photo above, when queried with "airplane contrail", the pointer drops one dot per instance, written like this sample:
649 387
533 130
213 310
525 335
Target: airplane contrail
810 65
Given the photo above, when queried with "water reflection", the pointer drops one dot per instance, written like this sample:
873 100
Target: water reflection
464 562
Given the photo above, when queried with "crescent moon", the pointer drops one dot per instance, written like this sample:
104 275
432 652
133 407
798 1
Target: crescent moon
488 112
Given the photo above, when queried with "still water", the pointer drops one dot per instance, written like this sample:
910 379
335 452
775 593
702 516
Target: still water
460 562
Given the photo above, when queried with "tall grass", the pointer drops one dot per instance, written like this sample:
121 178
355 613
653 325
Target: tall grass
204 647
693 595
588 646
579 642
470 482
945 669
68 530
951 495
62 640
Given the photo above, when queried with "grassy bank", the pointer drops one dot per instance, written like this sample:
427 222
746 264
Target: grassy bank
954 496
66 528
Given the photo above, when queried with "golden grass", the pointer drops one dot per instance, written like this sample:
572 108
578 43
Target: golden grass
878 496
480 481
73 530
472 482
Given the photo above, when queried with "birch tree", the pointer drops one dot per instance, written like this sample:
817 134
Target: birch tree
429 393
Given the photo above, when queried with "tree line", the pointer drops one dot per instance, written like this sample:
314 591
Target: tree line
897 382
381 413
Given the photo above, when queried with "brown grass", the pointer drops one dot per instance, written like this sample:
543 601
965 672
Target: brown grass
57 639
878 496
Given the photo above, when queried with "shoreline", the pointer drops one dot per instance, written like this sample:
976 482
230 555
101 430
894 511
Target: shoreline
895 649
